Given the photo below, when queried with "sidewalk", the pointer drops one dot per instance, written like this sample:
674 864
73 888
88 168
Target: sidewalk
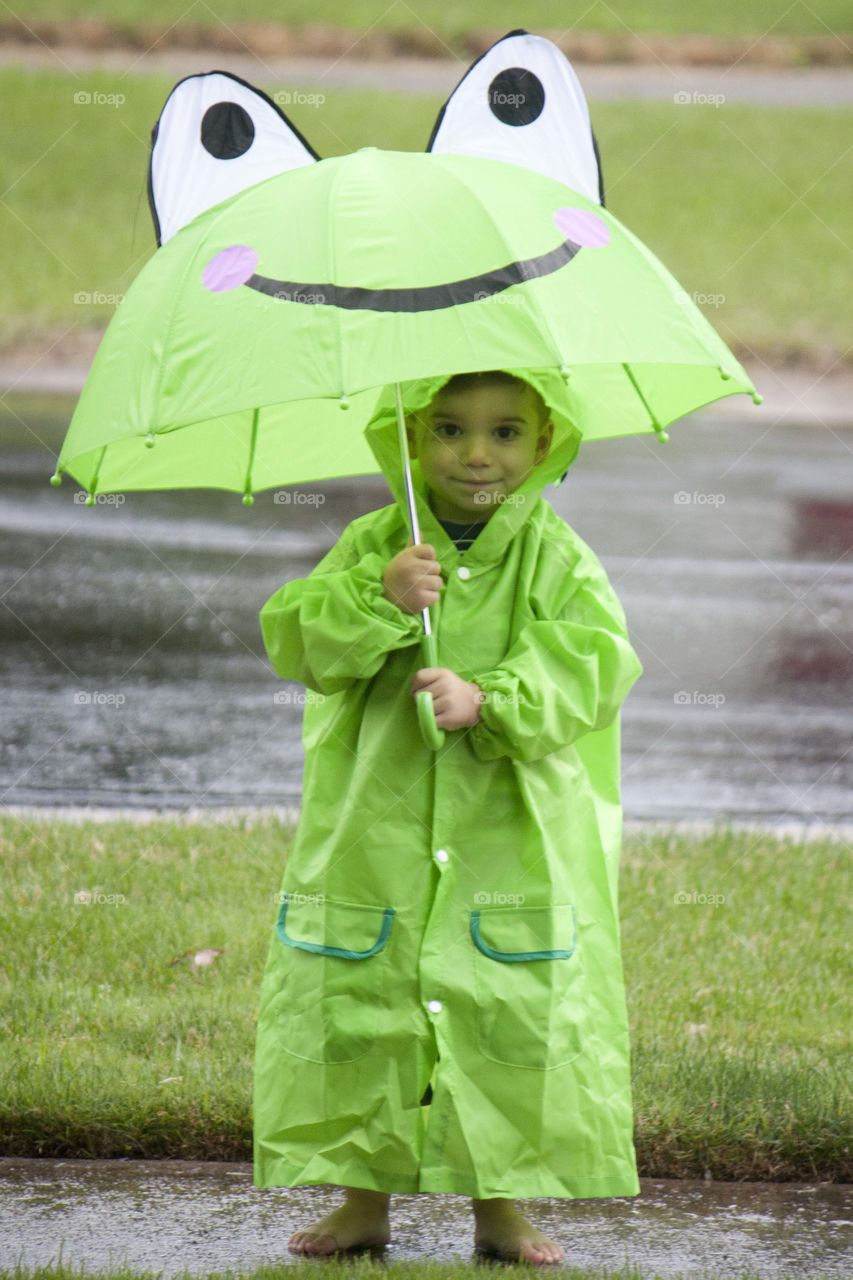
174 1214
706 87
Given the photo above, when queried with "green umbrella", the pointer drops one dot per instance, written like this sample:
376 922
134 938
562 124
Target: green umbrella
269 310
237 345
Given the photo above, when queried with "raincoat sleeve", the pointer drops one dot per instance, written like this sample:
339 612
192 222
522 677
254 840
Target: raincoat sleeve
336 626
563 677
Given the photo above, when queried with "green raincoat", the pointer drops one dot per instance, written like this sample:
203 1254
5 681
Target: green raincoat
451 917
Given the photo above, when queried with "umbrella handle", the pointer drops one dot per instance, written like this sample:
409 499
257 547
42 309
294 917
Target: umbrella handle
432 735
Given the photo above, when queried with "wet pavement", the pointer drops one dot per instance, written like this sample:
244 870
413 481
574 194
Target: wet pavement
170 1215
136 677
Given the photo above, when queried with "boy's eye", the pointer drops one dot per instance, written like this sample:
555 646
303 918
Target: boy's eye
451 427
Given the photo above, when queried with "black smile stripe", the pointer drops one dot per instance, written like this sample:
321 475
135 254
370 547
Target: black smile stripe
423 298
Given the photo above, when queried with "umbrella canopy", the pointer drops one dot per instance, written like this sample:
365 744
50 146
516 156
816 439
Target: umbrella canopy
287 288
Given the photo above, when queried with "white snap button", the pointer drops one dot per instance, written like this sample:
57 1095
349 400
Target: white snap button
442 855
463 571
434 1006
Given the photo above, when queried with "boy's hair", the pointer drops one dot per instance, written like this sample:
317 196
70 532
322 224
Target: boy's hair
496 377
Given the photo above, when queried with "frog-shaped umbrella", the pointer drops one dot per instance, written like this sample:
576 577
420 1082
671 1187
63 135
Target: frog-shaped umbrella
286 288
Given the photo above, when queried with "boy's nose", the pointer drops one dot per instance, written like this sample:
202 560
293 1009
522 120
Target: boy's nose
477 456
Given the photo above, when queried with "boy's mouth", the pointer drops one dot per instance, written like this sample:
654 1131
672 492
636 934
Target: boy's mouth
235 266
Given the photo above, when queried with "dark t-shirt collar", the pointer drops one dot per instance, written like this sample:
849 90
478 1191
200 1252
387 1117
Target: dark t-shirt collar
462 535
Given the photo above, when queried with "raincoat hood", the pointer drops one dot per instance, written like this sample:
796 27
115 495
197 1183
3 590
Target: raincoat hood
382 436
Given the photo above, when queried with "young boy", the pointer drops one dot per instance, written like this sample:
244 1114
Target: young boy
443 1007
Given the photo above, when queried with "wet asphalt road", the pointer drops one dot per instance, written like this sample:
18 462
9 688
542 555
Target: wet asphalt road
171 1215
135 675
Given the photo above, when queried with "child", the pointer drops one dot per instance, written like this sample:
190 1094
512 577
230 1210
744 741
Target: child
443 1007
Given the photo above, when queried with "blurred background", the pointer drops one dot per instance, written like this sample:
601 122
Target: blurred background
133 667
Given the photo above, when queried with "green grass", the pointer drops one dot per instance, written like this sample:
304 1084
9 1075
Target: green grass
725 18
738 1008
370 1269
750 207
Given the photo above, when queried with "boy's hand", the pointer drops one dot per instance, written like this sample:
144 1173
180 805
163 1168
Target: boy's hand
412 580
456 702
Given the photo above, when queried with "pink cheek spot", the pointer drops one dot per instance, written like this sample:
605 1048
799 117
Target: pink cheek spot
230 268
582 227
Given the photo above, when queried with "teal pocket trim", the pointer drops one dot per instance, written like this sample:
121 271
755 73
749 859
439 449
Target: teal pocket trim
509 956
321 949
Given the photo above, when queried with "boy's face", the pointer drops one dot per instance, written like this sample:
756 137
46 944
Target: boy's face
477 446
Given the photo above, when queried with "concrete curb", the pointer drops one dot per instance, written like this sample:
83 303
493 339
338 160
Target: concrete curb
258 816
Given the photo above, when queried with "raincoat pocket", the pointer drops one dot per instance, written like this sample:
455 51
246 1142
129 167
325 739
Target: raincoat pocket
331 1004
531 995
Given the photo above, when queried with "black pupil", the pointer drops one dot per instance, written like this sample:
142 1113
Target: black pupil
516 96
227 130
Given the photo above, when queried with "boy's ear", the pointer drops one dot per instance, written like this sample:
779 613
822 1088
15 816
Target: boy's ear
546 430
521 102
215 136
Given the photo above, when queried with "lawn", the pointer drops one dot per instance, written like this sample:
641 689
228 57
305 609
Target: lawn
725 18
116 1045
367 1268
751 208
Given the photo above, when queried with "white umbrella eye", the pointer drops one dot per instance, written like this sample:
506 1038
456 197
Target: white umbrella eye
521 102
216 136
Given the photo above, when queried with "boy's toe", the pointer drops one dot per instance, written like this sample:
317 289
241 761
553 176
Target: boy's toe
305 1242
321 1244
542 1254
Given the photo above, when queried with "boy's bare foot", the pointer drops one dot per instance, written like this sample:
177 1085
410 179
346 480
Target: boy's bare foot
500 1228
361 1221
